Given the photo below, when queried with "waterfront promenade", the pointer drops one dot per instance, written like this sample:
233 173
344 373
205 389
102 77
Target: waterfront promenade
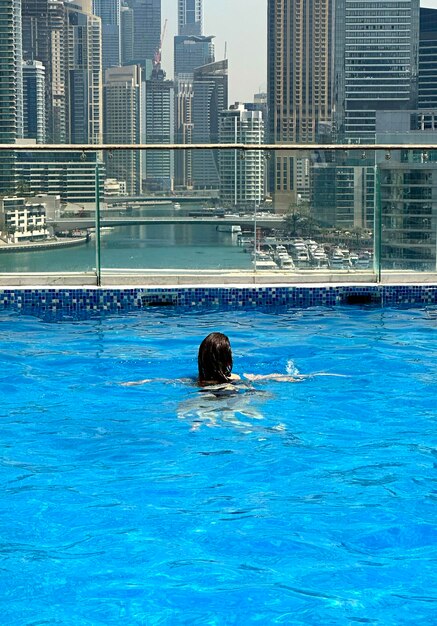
48 244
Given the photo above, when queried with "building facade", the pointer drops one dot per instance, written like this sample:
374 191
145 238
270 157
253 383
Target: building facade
127 34
376 63
190 52
408 190
11 89
85 84
146 29
45 40
300 86
190 17
241 179
210 98
123 124
22 221
34 101
427 84
71 175
158 165
109 12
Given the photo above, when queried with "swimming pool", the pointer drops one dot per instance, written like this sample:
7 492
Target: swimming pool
306 503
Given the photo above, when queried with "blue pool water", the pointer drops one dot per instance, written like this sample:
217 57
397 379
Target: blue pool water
307 503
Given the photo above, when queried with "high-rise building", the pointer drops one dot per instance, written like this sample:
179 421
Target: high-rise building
210 98
300 54
376 63
110 13
18 60
71 175
44 40
190 17
427 90
146 26
241 180
11 88
9 85
85 85
158 128
190 52
127 34
34 101
123 112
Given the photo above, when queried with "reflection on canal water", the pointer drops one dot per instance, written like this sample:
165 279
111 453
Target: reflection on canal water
157 246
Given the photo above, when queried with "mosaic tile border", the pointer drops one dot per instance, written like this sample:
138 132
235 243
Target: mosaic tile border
84 302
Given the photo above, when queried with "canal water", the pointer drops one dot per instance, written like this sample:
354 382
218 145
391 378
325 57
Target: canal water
156 246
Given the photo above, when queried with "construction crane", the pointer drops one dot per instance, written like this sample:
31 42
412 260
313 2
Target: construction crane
158 52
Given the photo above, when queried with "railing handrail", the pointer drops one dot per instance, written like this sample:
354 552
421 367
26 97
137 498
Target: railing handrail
39 147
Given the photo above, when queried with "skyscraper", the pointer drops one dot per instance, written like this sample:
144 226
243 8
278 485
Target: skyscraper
300 54
11 90
9 86
158 128
123 107
192 51
44 40
376 63
85 86
146 22
427 91
34 101
190 18
210 98
127 34
241 180
110 13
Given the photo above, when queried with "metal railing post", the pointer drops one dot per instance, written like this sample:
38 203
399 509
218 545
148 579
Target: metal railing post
97 226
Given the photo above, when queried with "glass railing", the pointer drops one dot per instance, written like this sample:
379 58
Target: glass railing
208 214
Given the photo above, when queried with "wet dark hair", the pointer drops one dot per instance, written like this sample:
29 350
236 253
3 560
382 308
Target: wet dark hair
215 359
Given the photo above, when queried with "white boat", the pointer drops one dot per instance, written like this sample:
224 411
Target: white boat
229 228
245 240
176 206
337 260
364 260
319 257
285 262
264 261
283 259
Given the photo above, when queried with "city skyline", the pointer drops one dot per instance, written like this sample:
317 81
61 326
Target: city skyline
248 63
232 23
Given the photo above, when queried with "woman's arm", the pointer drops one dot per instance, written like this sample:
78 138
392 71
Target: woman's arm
286 378
283 378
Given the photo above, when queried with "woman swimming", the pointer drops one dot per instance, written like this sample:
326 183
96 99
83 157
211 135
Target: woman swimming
215 360
215 364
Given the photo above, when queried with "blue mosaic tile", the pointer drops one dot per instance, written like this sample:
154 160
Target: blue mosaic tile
87 301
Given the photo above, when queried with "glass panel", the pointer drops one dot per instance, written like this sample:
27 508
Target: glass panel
171 227
408 188
47 214
325 201
317 220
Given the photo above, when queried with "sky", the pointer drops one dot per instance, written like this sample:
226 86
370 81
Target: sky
243 25
240 23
